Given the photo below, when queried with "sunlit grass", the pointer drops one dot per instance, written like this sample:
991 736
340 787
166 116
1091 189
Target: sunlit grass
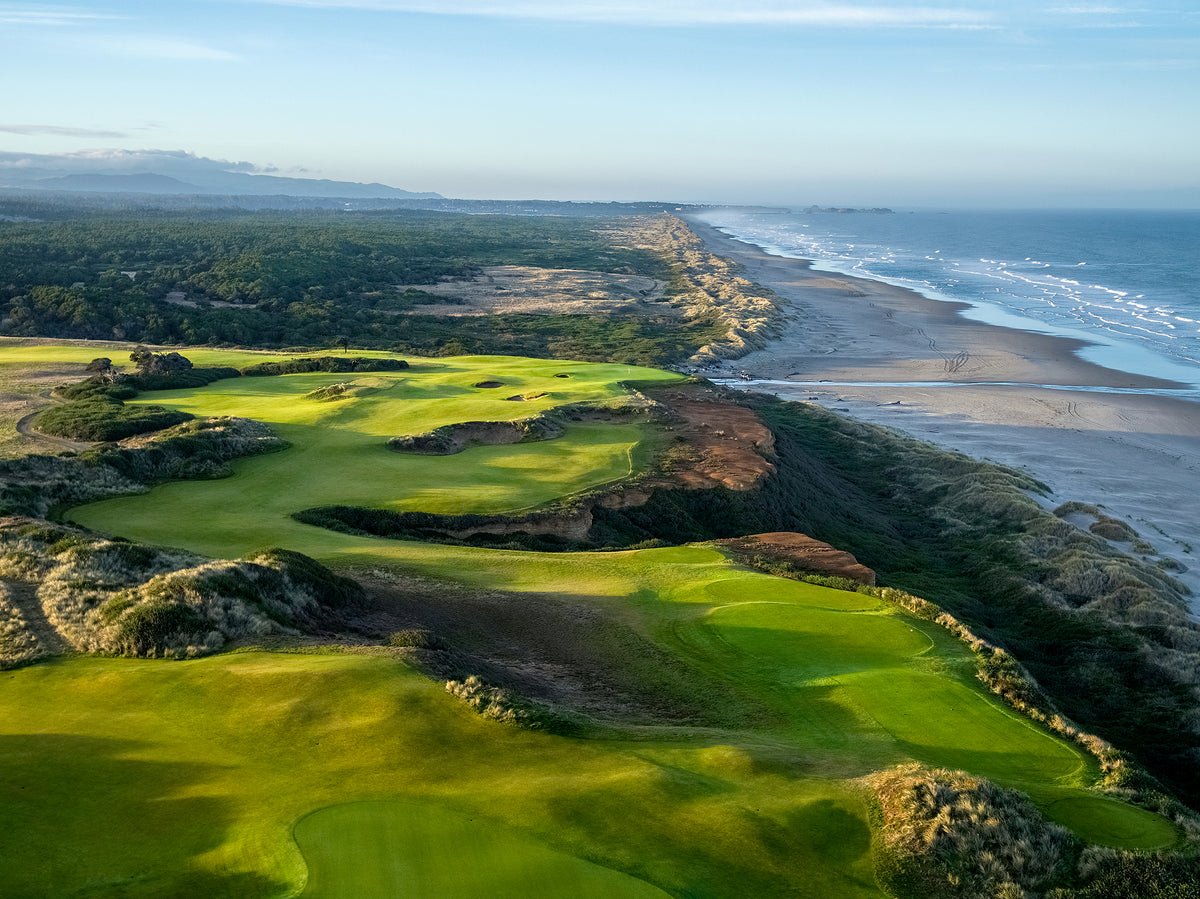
197 771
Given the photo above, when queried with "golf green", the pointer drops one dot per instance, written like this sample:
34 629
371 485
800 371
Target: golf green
425 852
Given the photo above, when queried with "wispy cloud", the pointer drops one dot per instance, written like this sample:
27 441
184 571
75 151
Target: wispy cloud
80 28
50 16
680 12
1094 10
160 47
59 131
121 160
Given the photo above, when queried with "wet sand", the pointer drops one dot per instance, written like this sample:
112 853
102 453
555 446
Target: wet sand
891 356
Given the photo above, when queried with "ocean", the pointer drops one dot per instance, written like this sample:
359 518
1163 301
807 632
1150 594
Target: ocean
1128 282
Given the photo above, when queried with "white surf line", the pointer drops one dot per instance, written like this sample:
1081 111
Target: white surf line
1191 393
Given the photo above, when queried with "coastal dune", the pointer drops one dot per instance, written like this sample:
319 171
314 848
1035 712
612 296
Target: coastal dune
891 356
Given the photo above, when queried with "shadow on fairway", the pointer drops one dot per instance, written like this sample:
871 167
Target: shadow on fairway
58 795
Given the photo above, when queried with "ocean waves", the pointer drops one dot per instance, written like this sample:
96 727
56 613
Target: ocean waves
1122 281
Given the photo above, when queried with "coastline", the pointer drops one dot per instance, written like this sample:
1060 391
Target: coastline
892 356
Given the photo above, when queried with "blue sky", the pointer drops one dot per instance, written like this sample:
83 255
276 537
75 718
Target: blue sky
767 101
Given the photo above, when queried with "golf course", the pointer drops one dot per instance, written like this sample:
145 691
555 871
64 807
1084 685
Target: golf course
726 726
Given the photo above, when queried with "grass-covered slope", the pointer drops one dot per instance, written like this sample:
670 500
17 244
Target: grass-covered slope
763 803
722 720
367 848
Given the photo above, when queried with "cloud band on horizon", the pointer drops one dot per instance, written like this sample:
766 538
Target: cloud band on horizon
676 12
59 131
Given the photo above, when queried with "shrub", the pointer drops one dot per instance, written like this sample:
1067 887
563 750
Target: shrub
122 598
416 638
1115 874
949 834
337 364
505 706
102 418
146 629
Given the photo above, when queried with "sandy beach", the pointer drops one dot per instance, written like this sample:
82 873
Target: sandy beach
891 356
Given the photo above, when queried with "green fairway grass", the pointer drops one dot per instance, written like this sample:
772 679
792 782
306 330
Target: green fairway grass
1112 823
144 778
265 773
427 852
339 452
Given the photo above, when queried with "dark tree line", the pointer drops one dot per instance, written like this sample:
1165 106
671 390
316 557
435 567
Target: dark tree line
298 279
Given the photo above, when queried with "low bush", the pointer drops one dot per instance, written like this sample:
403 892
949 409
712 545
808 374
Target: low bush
147 630
178 380
454 438
1117 874
34 485
120 598
948 834
127 386
101 418
416 638
337 364
507 707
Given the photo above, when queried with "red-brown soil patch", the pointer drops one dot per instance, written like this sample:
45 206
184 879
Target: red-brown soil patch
721 443
804 552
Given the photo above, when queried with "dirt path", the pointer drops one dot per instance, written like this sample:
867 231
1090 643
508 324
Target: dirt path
25 429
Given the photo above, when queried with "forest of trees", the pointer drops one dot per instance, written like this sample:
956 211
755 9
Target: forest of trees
236 278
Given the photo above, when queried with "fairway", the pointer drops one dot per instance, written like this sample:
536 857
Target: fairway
339 454
201 769
855 676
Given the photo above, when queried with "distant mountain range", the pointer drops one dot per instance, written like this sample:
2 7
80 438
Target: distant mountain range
159 172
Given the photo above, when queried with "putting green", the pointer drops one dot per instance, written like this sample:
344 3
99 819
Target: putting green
1111 823
369 849
854 677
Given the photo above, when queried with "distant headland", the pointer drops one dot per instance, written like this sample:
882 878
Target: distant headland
882 210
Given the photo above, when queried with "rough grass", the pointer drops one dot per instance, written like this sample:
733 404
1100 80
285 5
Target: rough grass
34 485
952 835
120 598
106 419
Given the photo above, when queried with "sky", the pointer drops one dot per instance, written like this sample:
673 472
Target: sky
713 101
